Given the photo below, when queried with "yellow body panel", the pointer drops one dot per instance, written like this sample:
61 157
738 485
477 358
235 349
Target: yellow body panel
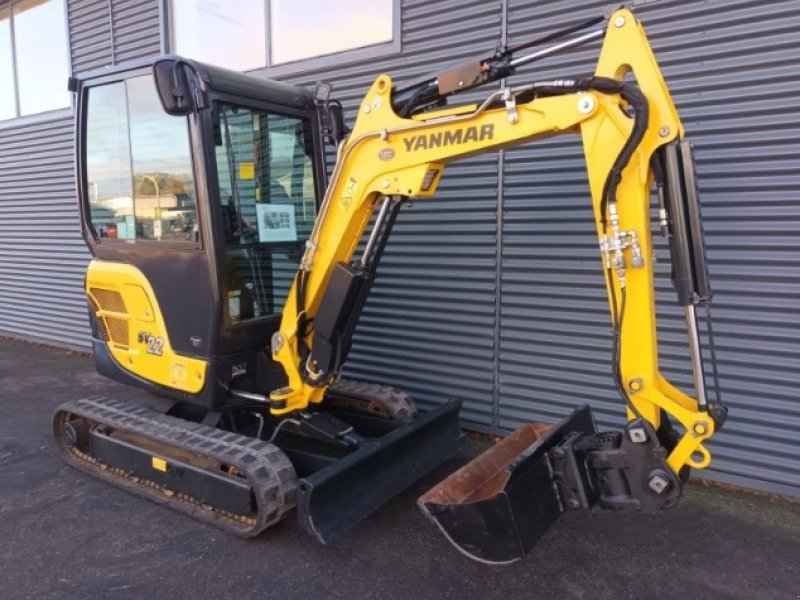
387 155
132 324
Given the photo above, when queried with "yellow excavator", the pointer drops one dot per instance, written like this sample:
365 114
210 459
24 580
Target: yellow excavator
230 272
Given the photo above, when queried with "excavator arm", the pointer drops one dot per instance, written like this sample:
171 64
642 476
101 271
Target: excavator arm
625 127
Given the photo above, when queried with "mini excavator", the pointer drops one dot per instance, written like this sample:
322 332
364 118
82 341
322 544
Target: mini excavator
229 274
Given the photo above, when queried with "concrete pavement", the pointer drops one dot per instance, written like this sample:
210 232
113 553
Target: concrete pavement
66 535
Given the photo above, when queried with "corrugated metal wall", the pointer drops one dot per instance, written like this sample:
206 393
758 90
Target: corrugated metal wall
42 255
108 32
735 107
492 291
136 28
91 34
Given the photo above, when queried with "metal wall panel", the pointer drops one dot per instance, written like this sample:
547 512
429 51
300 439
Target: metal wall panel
42 256
731 67
91 34
136 29
107 32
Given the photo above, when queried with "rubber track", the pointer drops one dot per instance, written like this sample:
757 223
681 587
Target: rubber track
266 468
396 402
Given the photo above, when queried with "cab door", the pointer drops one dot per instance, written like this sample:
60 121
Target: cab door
150 287
265 199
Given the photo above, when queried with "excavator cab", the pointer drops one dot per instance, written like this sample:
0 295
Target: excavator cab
206 211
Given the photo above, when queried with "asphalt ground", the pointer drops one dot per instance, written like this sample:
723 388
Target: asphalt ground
66 535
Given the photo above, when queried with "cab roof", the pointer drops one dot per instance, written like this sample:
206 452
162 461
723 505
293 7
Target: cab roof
222 81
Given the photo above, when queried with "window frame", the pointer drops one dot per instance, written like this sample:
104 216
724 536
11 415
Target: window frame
381 49
212 177
253 104
20 119
144 244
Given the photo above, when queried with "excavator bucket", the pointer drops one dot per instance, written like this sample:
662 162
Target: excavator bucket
495 508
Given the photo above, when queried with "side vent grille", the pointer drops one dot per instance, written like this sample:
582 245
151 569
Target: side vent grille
117 330
109 300
114 329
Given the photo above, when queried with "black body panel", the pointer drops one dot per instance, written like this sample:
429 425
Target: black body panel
187 307
337 316
218 79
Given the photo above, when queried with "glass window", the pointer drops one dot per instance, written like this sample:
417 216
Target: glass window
8 89
108 162
306 29
268 197
229 34
33 71
40 42
234 34
138 165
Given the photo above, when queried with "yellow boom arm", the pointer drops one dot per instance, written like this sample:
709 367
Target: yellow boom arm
388 158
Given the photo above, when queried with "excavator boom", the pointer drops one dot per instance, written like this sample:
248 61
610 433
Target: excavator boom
388 159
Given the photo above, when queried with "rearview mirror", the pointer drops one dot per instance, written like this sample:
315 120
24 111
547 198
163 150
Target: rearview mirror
338 129
172 84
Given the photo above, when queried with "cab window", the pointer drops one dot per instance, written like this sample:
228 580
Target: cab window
267 197
139 179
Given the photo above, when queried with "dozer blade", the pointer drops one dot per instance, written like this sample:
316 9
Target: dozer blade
337 497
495 508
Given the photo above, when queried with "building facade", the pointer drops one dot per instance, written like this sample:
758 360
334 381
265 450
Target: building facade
492 291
